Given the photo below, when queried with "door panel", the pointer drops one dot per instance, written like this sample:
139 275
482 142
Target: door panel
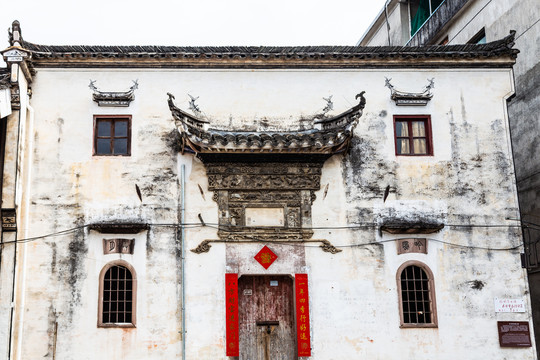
266 313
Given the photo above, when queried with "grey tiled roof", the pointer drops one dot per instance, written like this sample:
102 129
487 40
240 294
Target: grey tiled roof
491 49
4 78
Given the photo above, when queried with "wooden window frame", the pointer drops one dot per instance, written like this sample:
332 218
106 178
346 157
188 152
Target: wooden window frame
444 41
409 119
130 268
433 303
113 118
480 35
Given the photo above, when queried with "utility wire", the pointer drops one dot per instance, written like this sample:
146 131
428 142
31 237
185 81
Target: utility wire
464 26
479 11
238 228
232 228
385 241
300 243
74 229
534 23
536 172
58 233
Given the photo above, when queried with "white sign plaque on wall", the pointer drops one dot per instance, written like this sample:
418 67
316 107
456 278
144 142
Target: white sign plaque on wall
265 217
509 305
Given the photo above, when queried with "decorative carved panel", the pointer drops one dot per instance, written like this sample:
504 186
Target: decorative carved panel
9 220
286 186
269 176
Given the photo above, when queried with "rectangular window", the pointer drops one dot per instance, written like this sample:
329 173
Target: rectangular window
420 11
413 135
479 38
112 135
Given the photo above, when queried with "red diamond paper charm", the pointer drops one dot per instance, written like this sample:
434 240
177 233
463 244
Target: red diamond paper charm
265 257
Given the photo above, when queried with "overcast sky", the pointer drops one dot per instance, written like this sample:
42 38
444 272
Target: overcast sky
194 22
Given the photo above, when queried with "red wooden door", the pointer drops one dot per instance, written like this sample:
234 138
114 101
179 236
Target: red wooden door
266 312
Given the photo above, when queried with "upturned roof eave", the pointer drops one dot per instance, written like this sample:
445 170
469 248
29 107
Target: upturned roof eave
331 136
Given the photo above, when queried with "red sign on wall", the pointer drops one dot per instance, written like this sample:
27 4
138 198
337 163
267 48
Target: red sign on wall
302 315
231 313
266 257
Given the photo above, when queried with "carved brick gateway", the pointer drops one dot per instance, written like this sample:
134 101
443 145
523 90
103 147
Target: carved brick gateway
238 186
266 170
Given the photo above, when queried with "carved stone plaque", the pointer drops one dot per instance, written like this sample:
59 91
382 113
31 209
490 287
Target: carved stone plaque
9 220
118 246
405 246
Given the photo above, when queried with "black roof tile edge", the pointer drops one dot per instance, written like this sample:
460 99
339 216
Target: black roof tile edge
492 49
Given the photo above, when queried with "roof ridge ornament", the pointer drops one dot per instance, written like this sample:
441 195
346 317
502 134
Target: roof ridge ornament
15 35
329 105
194 107
509 40
113 98
403 98
17 57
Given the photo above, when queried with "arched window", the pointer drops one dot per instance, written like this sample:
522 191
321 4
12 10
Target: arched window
416 295
117 295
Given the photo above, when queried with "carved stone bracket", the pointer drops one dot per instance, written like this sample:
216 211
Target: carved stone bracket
326 246
411 98
203 247
113 98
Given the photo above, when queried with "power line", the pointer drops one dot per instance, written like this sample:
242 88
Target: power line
301 243
472 247
479 11
534 173
238 228
74 229
58 233
475 15
534 23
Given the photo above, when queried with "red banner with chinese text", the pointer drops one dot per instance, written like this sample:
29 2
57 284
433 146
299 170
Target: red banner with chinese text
302 315
231 313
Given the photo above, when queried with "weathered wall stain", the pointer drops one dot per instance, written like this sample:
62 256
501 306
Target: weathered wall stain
353 291
476 284
366 170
